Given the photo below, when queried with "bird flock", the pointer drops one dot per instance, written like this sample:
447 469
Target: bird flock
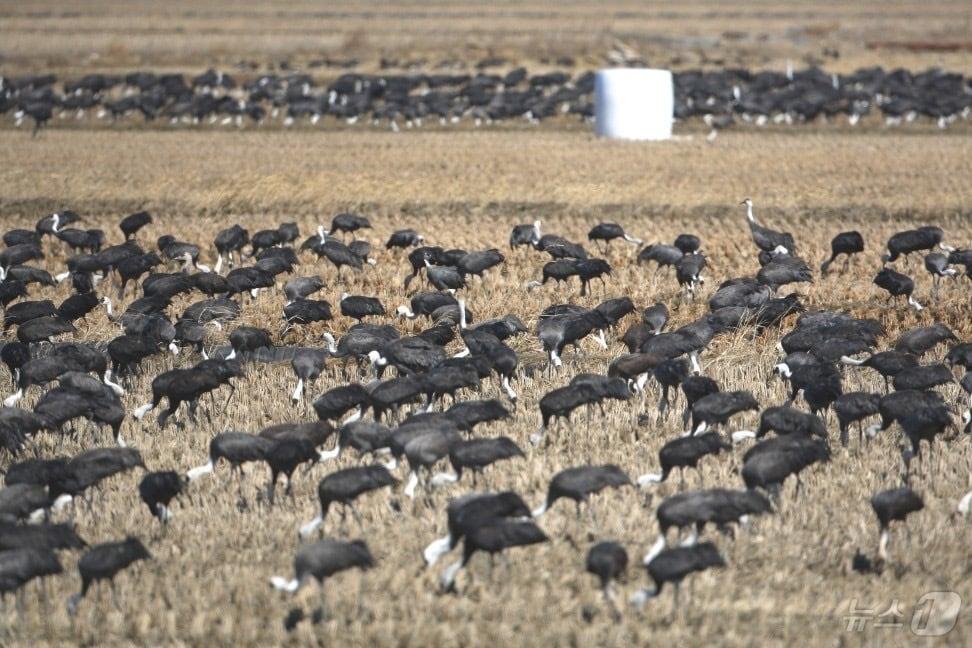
410 100
419 414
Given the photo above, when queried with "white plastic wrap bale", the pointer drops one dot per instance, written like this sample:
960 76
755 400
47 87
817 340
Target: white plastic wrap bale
634 103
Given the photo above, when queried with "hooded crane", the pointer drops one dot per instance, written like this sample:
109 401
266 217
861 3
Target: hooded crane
344 487
897 285
696 509
349 223
846 243
682 453
784 270
427 303
923 377
891 505
409 355
247 339
936 264
44 536
922 339
284 456
475 455
608 561
230 241
90 468
189 385
470 511
360 307
607 232
23 501
887 363
307 365
404 238
662 254
717 408
854 407
557 331
492 538
525 235
158 489
579 483
20 566
322 560
767 464
131 224
916 240
103 562
673 565
766 239
236 448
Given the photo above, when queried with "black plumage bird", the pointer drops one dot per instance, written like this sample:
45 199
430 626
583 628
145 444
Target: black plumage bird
673 565
236 448
404 238
891 505
580 482
608 561
786 420
607 232
284 456
131 224
475 455
20 566
663 255
923 377
854 407
492 538
322 560
897 285
158 489
470 511
103 562
684 452
360 307
43 536
922 339
767 464
307 365
21 501
349 222
766 239
717 408
916 240
846 243
91 467
525 235
344 487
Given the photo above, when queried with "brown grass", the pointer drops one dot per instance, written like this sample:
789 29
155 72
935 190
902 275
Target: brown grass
43 34
788 578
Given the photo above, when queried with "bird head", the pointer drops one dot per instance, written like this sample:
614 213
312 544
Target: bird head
747 201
